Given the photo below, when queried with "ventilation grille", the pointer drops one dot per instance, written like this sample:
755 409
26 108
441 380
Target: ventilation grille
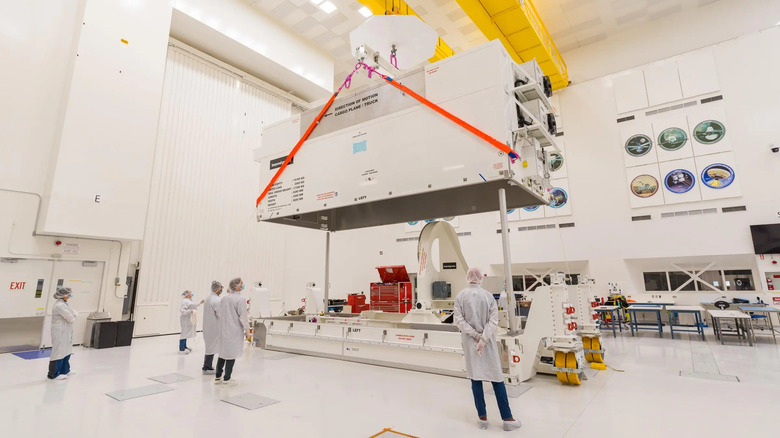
641 218
566 225
730 209
465 233
536 227
625 119
407 239
689 212
712 99
498 231
671 108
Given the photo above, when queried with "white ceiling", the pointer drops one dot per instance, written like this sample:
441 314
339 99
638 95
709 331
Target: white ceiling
571 23
328 32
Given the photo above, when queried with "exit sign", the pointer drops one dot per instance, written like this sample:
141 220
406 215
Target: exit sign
18 285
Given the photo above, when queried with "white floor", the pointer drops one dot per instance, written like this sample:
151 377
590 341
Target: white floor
327 398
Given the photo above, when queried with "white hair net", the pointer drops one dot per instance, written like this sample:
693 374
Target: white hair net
235 283
474 276
184 294
216 286
62 292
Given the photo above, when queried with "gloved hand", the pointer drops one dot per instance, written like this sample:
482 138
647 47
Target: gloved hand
480 346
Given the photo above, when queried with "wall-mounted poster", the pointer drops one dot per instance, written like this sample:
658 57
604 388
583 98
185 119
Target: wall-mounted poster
535 212
560 199
637 143
680 181
558 162
709 130
718 176
644 186
672 137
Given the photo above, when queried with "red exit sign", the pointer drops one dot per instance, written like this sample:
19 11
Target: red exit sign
18 285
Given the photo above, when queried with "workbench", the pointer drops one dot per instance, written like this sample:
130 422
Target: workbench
765 310
696 311
742 321
613 311
646 308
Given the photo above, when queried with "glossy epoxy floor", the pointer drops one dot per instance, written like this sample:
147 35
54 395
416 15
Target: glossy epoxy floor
327 398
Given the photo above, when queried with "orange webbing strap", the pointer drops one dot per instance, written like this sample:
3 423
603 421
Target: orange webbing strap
297 147
501 146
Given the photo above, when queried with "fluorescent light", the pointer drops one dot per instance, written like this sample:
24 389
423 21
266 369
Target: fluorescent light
364 11
327 6
316 2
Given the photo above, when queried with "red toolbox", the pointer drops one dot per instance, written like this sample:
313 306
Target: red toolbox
355 300
394 292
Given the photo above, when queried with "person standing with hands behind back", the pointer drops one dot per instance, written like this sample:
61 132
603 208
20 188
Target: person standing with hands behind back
187 319
234 328
476 315
62 317
211 326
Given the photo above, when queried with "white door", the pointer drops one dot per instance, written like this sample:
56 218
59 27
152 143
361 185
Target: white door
85 279
24 289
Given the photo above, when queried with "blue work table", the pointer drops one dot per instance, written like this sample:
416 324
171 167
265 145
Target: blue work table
612 310
696 311
646 308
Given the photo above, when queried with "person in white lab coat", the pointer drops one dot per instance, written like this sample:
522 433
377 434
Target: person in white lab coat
188 319
62 317
211 326
234 328
476 315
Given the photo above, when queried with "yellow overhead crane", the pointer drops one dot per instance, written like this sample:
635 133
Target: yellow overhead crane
515 22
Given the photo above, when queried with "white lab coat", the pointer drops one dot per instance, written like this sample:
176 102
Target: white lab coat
185 311
211 323
233 324
476 313
62 317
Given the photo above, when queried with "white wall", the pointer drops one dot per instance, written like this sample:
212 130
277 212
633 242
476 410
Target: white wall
98 181
604 234
201 224
670 36
37 42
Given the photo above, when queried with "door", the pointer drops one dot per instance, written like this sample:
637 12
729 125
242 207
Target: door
24 289
86 280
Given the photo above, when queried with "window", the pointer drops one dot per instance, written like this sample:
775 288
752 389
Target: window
517 283
573 279
678 278
531 282
711 277
739 279
656 282
726 280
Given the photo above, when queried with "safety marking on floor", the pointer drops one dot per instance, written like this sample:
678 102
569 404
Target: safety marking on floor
250 401
35 354
721 377
171 378
514 391
143 391
385 434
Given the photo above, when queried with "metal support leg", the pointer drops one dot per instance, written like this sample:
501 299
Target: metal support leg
632 315
671 322
510 291
326 288
700 325
660 326
612 319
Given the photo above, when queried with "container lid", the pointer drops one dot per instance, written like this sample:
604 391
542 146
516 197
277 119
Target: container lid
393 274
